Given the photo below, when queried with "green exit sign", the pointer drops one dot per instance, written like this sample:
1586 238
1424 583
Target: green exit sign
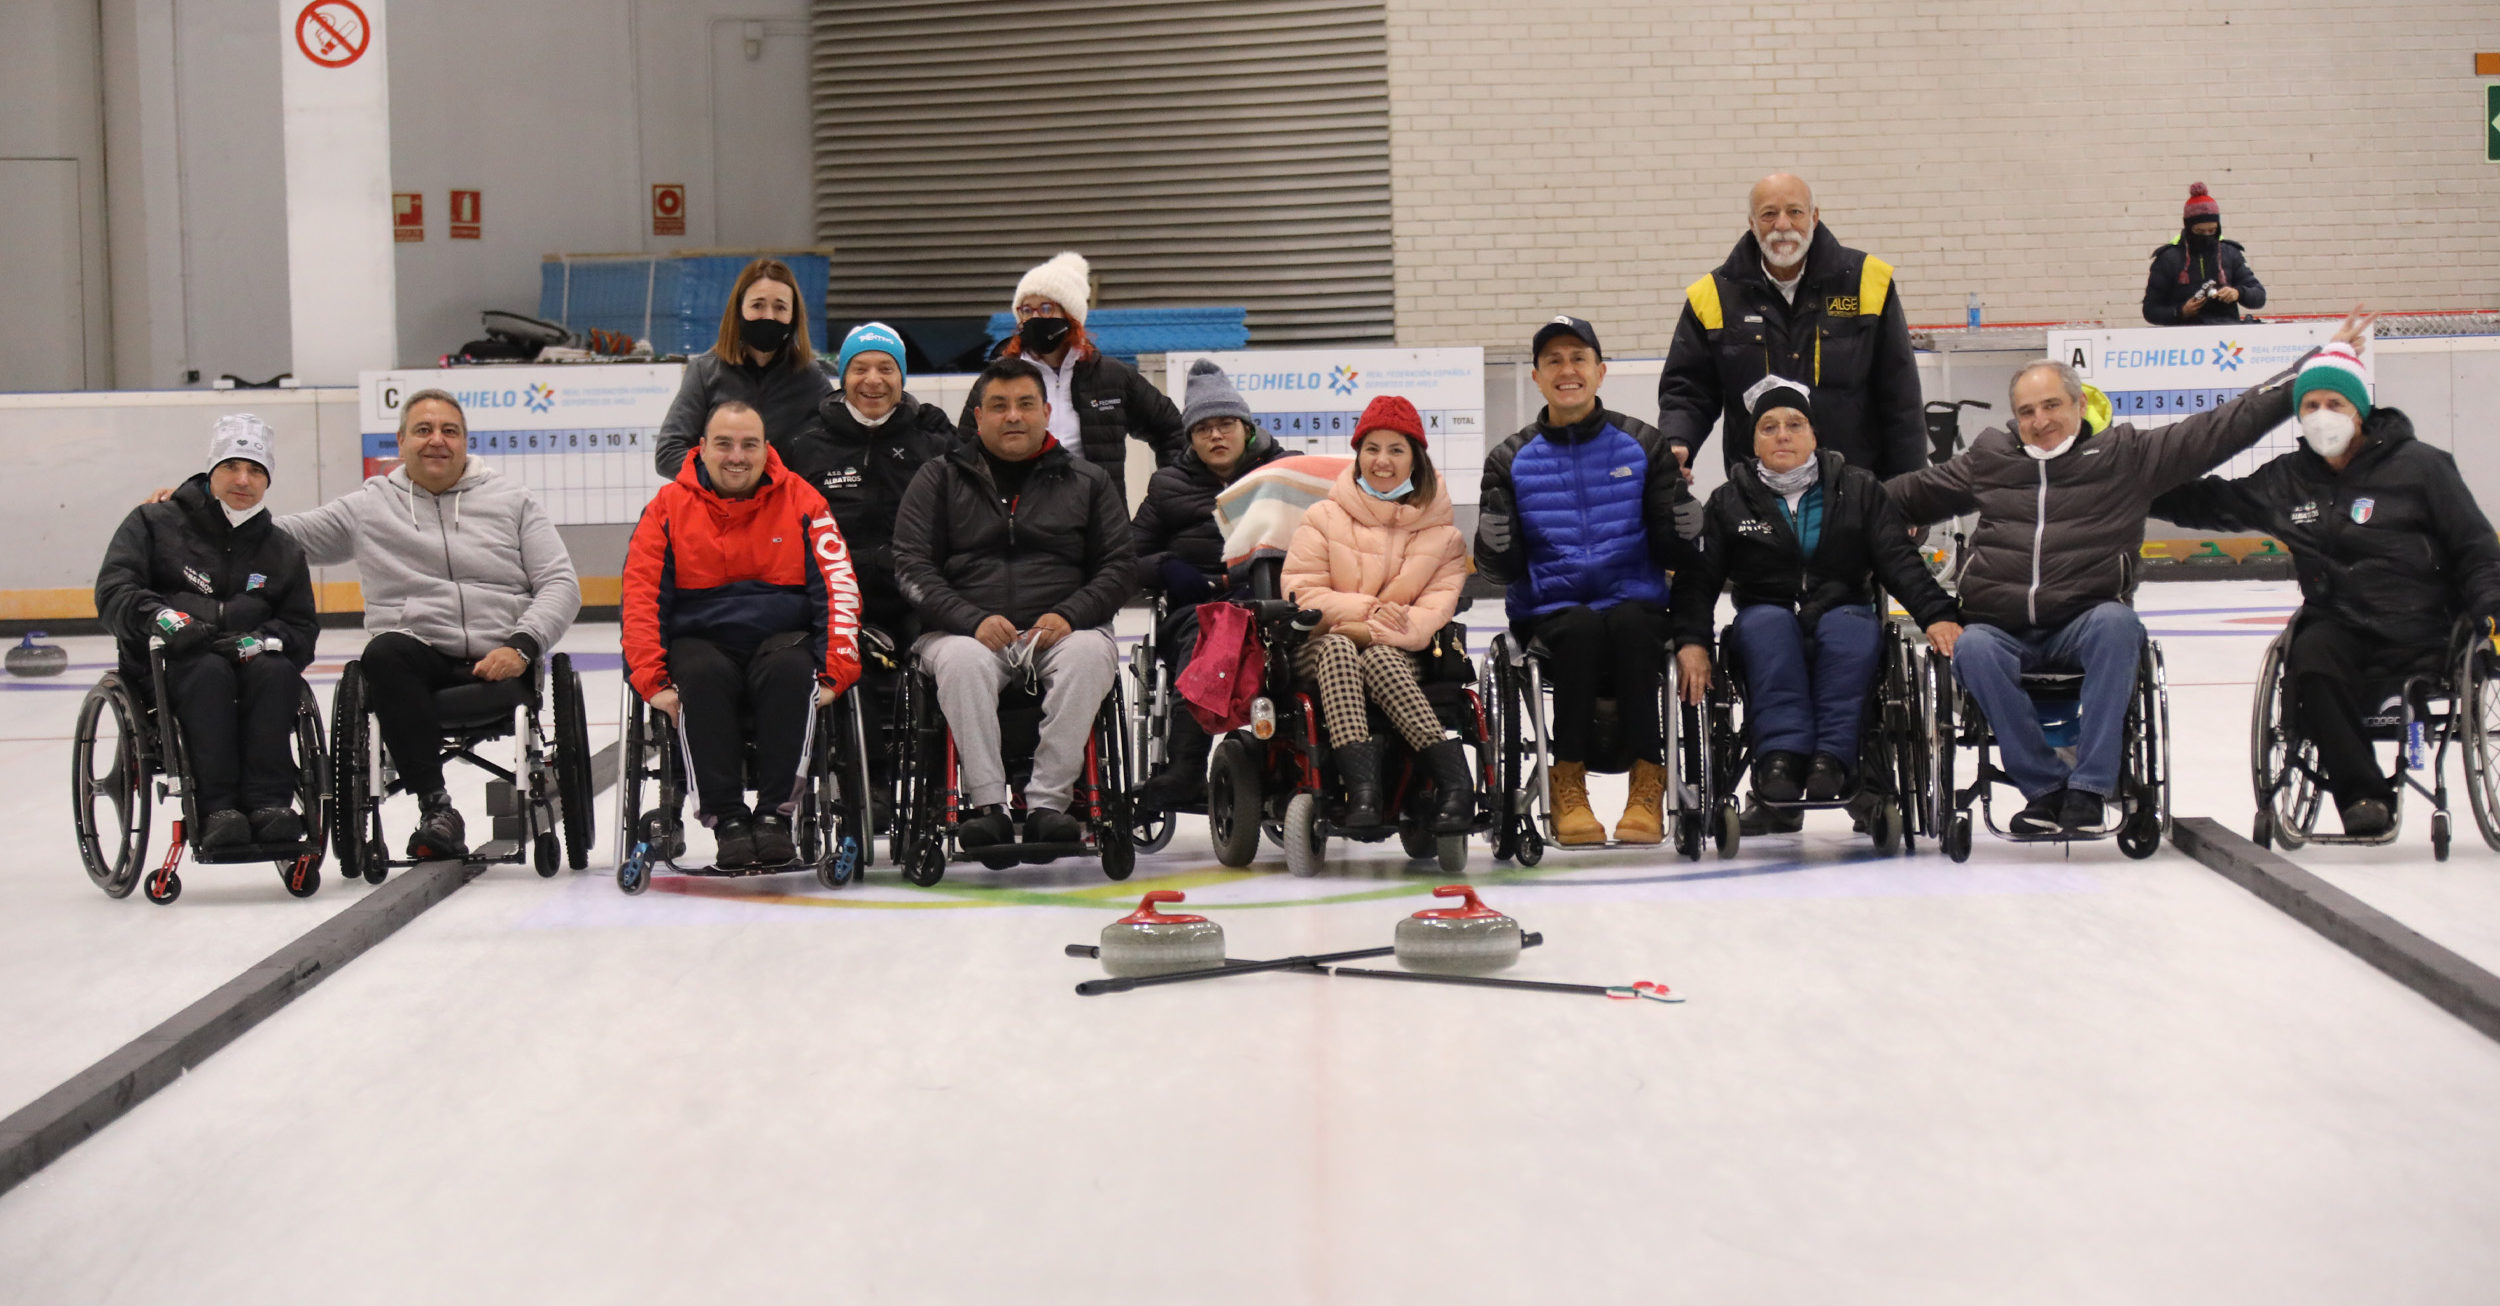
2491 123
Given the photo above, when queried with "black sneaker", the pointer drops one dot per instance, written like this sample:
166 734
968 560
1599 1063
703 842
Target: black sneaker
773 845
2083 812
440 835
733 842
2368 818
2040 816
277 825
224 828
1826 779
1042 825
1757 819
988 829
1779 778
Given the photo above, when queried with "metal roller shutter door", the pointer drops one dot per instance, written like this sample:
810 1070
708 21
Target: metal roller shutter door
1201 153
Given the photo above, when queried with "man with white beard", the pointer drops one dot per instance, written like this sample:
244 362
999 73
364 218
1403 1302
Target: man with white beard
1792 301
2389 547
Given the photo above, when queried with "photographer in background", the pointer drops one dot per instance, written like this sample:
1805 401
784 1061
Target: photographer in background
2199 278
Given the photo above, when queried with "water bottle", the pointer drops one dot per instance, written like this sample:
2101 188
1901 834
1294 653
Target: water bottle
2413 745
1974 310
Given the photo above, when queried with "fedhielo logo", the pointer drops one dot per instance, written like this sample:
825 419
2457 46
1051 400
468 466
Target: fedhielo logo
539 397
2227 355
1343 379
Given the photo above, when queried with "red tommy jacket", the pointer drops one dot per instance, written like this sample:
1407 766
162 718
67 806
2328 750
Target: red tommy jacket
738 571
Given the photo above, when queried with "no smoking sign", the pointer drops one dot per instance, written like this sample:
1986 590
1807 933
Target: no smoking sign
333 33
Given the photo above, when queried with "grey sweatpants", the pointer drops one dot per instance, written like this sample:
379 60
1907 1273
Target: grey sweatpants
1076 673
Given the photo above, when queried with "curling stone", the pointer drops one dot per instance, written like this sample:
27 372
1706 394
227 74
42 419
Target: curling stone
1147 942
1468 939
32 659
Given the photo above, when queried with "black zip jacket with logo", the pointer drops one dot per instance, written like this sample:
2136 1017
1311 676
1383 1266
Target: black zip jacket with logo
863 471
2394 546
1060 544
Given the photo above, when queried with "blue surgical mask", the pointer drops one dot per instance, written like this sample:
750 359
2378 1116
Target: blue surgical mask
1403 488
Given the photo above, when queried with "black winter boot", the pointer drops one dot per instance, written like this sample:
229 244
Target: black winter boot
1455 781
1183 780
1358 765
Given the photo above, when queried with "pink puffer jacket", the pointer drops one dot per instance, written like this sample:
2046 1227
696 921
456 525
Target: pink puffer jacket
1353 552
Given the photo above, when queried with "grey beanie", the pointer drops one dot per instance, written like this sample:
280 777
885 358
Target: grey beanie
241 435
1209 393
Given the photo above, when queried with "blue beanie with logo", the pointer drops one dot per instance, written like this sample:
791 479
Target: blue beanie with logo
873 338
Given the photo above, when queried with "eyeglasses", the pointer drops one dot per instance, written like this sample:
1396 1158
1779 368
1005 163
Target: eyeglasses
1041 308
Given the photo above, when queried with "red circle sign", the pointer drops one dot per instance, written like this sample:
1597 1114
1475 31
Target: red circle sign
332 33
666 199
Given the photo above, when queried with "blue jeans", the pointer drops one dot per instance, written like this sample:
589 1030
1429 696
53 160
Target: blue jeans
1802 698
2104 644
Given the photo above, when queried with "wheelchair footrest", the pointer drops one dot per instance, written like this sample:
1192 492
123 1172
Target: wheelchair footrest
234 854
742 872
496 850
1002 855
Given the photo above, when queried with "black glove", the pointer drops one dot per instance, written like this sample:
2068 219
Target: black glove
183 634
1186 584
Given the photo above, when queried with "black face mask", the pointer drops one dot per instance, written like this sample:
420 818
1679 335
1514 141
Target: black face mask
1043 335
763 334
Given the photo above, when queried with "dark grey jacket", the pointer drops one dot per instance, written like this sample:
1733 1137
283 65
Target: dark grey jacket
783 393
2057 536
1062 546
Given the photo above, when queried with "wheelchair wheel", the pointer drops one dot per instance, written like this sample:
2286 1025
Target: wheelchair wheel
109 799
2261 831
2478 724
1937 691
545 857
2140 837
1306 845
355 826
2281 766
163 888
1233 803
1690 834
573 783
1451 851
1119 852
1503 709
1884 823
302 875
1531 848
1730 834
1420 843
1957 837
2439 836
1151 830
927 859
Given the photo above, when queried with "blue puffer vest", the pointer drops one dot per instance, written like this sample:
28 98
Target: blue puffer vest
1579 492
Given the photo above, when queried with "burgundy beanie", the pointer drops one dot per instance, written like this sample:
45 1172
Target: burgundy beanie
1390 413
2201 206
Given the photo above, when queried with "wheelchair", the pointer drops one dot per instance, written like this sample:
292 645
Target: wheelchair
830 825
127 755
546 789
1275 776
1151 701
2459 704
1953 721
1713 746
929 801
1517 721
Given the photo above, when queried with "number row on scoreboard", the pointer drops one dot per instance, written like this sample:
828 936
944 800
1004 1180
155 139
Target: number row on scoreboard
2166 403
1435 422
510 442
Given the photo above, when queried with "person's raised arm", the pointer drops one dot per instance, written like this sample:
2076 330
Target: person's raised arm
328 532
2193 445
1933 494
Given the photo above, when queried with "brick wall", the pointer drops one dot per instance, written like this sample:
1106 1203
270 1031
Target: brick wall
1594 157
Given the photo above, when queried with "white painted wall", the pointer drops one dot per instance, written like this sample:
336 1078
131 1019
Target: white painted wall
55 317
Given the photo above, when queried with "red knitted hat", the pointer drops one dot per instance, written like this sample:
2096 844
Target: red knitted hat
2201 206
1390 413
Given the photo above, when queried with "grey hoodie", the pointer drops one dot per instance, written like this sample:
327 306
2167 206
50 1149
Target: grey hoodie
466 571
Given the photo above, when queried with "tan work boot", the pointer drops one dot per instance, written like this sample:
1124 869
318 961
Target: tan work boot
1575 826
1644 820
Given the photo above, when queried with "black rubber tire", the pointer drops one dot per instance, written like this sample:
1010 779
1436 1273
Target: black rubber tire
163 893
573 785
1420 843
1957 835
1730 834
546 857
927 865
351 786
304 886
2439 836
1450 853
1233 803
2261 830
1885 824
2140 837
1119 853
122 788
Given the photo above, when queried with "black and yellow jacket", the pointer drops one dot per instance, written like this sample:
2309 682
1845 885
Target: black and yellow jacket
1846 336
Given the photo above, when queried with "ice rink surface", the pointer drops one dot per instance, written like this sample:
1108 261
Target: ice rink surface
2038 1077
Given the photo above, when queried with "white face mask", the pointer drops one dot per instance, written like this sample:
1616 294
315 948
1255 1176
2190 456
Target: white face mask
2327 432
235 518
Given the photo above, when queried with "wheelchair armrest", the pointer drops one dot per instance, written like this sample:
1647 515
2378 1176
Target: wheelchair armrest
1283 619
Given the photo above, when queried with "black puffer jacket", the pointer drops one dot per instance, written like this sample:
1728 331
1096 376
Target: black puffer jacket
2179 269
1736 328
1746 543
1177 517
1062 544
783 392
182 554
862 472
1113 403
2059 537
2394 546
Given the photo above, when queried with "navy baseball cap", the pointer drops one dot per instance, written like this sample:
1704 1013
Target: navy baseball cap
1565 326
